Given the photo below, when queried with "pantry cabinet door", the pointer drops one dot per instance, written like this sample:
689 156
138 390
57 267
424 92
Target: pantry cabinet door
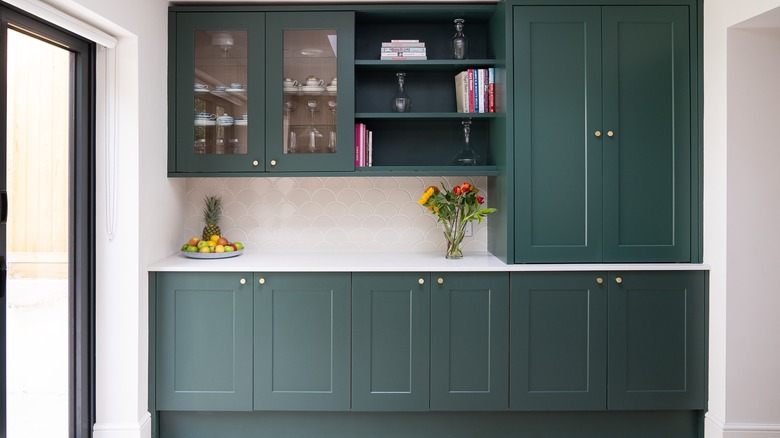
558 335
302 334
204 341
390 341
469 341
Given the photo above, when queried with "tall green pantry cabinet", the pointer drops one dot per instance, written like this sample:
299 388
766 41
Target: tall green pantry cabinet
606 152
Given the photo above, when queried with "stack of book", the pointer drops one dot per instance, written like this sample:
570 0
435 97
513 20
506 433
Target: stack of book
403 50
474 91
364 148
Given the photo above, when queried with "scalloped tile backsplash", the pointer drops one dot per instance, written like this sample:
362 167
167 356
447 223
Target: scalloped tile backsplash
333 213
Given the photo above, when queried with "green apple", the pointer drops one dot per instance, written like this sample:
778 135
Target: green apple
239 246
202 243
184 247
229 248
191 248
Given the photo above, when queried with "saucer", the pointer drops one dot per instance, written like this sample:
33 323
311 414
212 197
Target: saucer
236 90
331 88
200 122
201 90
240 122
225 122
291 89
312 88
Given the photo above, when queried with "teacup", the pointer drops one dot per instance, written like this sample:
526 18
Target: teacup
205 116
199 86
289 83
333 82
220 88
225 120
313 81
236 85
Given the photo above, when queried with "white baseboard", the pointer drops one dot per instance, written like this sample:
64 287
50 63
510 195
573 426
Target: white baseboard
143 429
716 428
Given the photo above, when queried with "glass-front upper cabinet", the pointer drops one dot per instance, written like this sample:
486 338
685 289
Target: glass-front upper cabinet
310 118
219 82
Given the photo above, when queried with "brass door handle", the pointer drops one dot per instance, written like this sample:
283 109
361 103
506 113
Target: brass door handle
610 134
242 281
421 281
255 163
440 280
618 280
599 280
273 162
261 280
597 133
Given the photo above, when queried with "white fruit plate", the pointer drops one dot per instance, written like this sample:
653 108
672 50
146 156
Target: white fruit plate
212 255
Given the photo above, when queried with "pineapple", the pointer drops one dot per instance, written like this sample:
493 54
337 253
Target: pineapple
211 215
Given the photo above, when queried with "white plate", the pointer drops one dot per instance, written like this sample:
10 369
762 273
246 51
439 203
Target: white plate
201 90
311 88
236 90
330 88
230 123
212 255
205 122
240 122
291 89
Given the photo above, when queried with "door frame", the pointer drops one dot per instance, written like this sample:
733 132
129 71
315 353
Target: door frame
81 212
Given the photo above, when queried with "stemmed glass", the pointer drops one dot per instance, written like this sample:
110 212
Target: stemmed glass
289 107
312 132
332 139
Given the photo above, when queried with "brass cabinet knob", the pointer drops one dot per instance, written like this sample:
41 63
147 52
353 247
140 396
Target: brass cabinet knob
421 281
440 280
599 280
273 162
610 134
255 163
242 281
618 280
261 281
597 133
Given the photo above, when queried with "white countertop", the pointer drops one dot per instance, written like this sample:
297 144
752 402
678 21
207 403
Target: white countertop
365 261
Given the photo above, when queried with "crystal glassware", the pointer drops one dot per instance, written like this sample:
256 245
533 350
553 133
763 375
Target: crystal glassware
466 156
332 136
460 44
401 103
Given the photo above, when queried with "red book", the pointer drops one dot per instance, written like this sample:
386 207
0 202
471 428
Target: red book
471 90
357 144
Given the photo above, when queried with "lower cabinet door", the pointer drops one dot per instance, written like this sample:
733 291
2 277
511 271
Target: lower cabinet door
302 335
469 341
657 339
204 341
558 346
390 341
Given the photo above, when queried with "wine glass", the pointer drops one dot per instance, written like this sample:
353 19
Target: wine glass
332 139
312 132
289 108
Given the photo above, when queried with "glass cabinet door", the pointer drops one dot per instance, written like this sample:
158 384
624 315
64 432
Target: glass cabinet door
309 115
219 76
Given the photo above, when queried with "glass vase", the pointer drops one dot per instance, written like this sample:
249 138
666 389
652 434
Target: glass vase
467 156
460 44
454 232
401 102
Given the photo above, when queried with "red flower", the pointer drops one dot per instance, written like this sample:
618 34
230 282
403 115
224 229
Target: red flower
465 187
456 190
480 199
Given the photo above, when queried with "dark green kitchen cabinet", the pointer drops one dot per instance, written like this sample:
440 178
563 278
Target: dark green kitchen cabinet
617 341
204 341
657 340
231 110
216 82
390 341
558 338
605 162
301 341
469 341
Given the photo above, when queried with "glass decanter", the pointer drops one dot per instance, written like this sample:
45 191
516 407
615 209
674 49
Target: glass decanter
466 156
401 102
460 44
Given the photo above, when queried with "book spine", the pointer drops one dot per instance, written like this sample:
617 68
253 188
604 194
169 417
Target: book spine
491 90
405 41
357 144
482 87
460 98
362 156
403 58
470 79
370 159
475 81
403 49
416 45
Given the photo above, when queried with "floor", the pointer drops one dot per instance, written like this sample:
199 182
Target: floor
37 351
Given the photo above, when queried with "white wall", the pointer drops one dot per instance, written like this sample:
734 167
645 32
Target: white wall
741 214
